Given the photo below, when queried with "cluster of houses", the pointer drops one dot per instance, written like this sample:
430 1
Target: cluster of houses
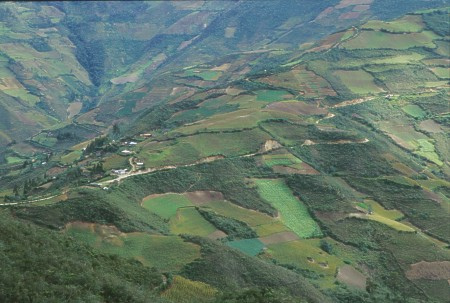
120 171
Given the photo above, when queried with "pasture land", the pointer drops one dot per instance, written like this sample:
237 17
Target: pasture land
188 221
165 205
407 24
163 252
359 81
306 254
377 39
414 110
272 95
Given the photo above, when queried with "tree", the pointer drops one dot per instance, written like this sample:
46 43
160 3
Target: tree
16 190
370 209
116 129
326 247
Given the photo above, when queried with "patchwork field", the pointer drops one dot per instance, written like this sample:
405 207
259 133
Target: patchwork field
282 159
377 39
165 205
188 221
305 254
164 252
272 95
359 82
293 212
305 82
297 108
190 149
407 24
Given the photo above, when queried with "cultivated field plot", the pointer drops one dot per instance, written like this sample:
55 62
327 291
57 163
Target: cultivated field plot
207 75
377 39
297 108
240 119
165 205
251 247
305 82
350 276
359 81
293 213
431 126
272 95
441 72
163 252
306 254
187 150
287 133
407 24
414 110
280 159
116 162
374 211
71 157
183 290
188 221
205 109
407 137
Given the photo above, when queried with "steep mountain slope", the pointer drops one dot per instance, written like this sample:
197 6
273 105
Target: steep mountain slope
62 59
268 170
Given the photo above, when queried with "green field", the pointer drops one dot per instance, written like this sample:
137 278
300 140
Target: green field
293 212
189 149
298 252
251 217
71 157
428 151
380 210
414 110
359 81
376 39
441 72
272 95
14 160
250 247
188 221
116 162
165 205
280 159
381 219
407 24
207 75
163 252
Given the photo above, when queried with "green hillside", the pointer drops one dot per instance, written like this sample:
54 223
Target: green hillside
220 152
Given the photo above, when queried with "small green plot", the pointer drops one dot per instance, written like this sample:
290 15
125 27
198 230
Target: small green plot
358 81
293 212
189 221
271 95
165 205
414 110
250 247
205 75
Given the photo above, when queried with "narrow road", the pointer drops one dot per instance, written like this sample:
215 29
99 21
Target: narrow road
27 202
